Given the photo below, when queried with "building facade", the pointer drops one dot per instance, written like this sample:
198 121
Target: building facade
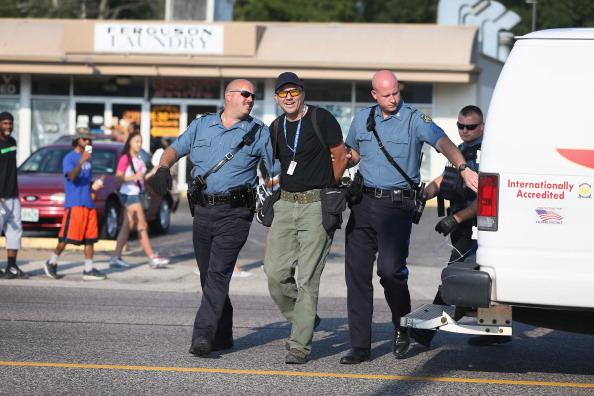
58 75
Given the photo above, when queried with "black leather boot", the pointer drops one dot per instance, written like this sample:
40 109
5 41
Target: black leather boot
401 343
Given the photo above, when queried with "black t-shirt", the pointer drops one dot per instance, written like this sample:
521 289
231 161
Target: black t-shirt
314 166
8 168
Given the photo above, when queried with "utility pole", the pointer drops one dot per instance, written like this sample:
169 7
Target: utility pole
534 4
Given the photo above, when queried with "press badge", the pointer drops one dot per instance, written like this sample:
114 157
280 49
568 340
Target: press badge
292 167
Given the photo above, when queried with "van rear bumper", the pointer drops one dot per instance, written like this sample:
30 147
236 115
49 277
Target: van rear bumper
463 285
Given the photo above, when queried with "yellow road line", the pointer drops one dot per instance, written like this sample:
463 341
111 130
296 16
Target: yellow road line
300 374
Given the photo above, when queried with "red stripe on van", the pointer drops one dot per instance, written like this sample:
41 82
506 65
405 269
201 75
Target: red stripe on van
579 156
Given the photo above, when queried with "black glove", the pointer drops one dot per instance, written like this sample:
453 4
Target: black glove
446 225
162 181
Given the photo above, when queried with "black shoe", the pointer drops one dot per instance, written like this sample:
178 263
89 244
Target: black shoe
488 340
295 356
221 345
51 270
15 273
1 274
423 336
200 347
356 356
401 343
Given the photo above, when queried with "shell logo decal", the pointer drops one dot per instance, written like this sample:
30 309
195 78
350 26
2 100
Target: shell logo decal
579 156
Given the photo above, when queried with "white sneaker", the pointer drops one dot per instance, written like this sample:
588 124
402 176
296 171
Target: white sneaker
158 262
118 262
241 274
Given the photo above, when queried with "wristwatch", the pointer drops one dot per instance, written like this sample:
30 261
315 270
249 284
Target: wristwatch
462 166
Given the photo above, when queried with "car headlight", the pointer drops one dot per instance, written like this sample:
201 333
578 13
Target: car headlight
57 197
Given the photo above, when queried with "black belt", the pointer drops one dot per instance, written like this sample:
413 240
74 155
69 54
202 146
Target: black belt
217 199
396 194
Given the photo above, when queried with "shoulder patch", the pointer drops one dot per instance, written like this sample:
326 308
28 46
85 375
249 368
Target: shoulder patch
426 118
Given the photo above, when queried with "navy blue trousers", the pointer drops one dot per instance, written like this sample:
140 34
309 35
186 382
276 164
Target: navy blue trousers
376 226
219 233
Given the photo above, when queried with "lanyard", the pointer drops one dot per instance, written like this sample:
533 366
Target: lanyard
297 133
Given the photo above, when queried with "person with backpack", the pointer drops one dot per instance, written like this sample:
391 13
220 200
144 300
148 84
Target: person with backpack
304 147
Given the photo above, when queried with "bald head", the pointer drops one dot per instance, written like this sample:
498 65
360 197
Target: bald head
385 91
239 99
384 78
239 84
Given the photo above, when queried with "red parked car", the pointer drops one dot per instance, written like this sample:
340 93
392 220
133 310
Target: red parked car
41 191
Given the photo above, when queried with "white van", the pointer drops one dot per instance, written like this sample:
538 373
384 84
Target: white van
535 261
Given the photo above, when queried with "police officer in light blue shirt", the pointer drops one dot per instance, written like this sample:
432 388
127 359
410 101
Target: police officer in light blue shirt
380 224
222 220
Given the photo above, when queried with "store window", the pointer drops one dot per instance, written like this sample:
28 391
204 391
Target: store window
202 88
125 119
50 85
109 86
9 84
49 120
328 91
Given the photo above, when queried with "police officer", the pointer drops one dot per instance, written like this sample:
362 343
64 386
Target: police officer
224 214
463 202
381 222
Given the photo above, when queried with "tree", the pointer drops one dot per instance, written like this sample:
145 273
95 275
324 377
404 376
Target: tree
83 9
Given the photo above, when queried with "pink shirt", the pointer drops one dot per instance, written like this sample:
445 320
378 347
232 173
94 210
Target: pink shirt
131 187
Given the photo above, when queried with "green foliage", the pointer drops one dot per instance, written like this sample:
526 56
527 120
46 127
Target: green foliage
91 9
393 11
552 14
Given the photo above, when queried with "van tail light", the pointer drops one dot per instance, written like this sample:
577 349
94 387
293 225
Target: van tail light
487 201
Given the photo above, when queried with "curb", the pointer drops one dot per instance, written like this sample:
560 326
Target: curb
102 245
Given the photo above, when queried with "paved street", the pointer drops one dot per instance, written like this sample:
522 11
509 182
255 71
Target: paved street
130 334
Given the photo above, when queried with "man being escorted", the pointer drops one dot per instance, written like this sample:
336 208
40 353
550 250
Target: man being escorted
297 234
10 207
381 222
224 207
79 224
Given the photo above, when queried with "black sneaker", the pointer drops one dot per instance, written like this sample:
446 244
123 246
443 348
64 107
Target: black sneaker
15 273
1 274
51 270
93 274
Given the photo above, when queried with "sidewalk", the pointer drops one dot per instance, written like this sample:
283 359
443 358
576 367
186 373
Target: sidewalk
180 276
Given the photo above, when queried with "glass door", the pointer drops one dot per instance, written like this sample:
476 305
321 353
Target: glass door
90 116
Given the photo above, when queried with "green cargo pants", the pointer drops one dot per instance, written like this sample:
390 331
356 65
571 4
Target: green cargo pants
297 240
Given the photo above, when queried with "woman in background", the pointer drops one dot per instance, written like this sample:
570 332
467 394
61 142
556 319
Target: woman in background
131 173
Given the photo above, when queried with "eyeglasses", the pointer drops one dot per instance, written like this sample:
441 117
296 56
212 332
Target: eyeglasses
246 94
470 127
293 92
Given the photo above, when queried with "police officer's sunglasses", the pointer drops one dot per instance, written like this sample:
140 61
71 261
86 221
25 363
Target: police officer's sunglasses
246 94
293 92
470 127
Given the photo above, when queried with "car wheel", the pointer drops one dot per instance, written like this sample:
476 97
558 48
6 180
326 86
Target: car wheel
111 217
161 224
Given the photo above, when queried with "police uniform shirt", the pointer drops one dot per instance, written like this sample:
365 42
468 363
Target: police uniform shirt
207 141
402 144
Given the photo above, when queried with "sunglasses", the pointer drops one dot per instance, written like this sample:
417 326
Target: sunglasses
293 92
246 94
470 127
87 139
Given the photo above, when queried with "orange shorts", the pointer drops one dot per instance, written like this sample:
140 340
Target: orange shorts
79 226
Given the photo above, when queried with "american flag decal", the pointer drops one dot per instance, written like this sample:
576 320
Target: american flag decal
548 215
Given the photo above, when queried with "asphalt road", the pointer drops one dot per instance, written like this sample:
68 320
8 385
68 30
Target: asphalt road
130 335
